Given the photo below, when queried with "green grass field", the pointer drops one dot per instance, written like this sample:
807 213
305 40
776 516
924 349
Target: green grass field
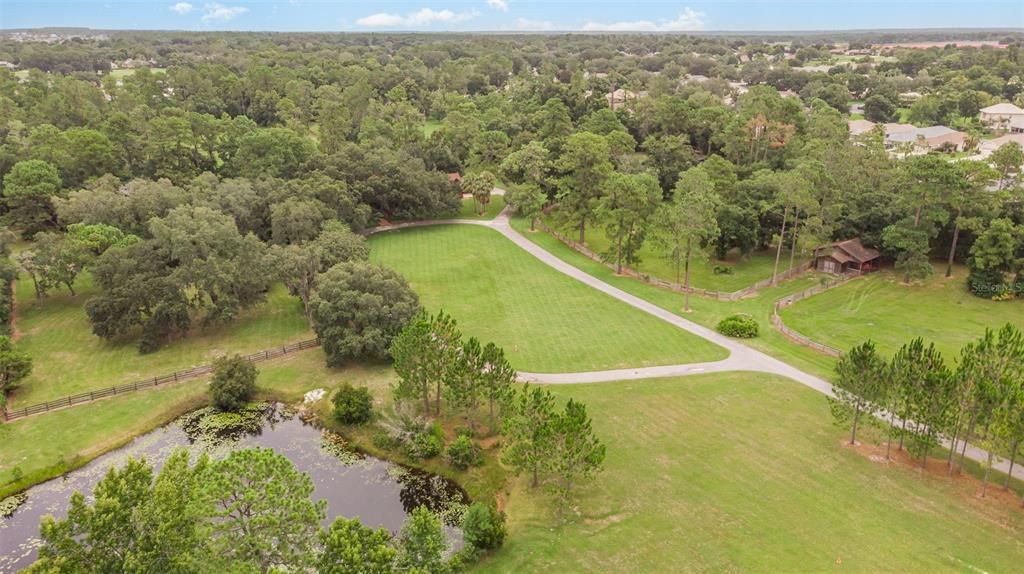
881 308
69 359
700 476
430 127
745 270
494 207
122 73
707 312
545 321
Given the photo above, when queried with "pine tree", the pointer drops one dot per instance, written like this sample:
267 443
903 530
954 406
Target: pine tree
528 432
421 542
861 376
462 380
498 376
922 379
576 452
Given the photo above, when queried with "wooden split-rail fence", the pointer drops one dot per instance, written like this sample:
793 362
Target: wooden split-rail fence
790 299
87 397
718 295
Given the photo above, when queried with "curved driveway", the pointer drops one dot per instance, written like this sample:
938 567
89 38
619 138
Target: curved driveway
741 357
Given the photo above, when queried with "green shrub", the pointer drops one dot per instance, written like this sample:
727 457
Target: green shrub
233 384
463 453
740 325
483 527
462 560
385 441
988 283
721 270
352 405
424 445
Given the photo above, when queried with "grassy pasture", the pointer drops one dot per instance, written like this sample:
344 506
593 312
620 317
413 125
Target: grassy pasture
705 311
880 307
545 321
745 271
69 359
742 472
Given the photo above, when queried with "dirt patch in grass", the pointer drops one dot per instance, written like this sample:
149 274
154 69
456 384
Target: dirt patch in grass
965 485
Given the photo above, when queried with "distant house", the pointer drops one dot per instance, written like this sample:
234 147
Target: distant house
894 128
858 127
1016 125
987 147
621 97
739 87
928 139
1000 116
922 139
907 98
846 257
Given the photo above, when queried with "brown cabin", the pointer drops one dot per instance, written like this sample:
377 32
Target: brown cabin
455 183
845 257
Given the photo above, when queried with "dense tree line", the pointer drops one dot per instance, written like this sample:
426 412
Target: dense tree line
916 397
285 140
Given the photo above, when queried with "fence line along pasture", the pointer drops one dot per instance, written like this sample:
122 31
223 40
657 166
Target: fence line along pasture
183 375
629 271
796 337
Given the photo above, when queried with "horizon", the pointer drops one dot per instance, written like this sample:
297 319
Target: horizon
778 32
514 16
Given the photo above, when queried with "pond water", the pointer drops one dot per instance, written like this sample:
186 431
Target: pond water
379 493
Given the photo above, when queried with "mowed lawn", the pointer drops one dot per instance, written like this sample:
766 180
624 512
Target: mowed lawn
468 210
744 472
431 126
704 310
745 271
69 359
879 307
545 321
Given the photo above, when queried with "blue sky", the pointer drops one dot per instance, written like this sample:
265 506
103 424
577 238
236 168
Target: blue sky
468 15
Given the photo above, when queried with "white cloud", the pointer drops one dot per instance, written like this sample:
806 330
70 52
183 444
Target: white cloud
526 25
182 7
380 20
498 5
688 20
221 12
419 19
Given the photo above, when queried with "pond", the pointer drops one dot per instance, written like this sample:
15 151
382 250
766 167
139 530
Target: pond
378 492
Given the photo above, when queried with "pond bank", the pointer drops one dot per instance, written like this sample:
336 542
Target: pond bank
379 492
